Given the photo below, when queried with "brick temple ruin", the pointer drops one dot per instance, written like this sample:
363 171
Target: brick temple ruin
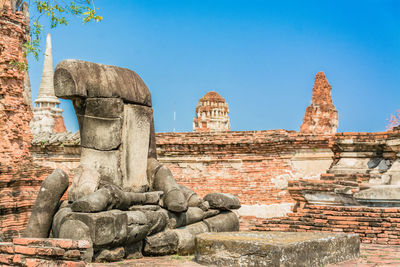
312 180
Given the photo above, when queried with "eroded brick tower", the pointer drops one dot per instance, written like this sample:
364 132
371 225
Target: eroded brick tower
20 179
321 116
211 114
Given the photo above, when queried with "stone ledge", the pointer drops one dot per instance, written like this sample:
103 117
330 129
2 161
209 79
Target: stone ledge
275 248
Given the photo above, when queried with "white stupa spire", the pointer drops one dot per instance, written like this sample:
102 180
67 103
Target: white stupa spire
46 91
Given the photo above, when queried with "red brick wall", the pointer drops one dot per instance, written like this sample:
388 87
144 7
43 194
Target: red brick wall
242 163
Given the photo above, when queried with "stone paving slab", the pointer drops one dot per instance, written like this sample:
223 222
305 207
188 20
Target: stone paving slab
371 256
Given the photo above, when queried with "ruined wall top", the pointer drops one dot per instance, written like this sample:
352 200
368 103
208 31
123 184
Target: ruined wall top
211 114
81 79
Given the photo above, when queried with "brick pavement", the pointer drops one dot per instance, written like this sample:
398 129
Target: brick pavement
372 255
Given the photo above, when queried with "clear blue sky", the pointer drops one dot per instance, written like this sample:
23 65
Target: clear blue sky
260 55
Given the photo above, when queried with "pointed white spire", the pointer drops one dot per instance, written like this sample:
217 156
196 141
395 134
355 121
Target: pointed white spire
46 91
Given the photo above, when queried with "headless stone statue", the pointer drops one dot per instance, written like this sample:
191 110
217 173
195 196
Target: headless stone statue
115 116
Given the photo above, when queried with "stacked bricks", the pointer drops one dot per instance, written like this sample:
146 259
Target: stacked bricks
328 183
45 252
374 225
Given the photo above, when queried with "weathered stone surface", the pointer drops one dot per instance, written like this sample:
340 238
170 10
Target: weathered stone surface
380 196
107 228
222 201
95 202
100 133
209 213
85 182
275 249
134 251
174 241
193 199
58 219
104 107
224 222
384 165
157 221
106 163
136 217
145 208
77 78
153 197
137 233
163 180
135 147
374 162
46 204
192 215
114 254
74 229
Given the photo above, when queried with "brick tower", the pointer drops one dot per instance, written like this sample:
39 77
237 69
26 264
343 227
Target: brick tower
211 114
321 116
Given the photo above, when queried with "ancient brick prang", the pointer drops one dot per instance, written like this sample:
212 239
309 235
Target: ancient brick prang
321 116
14 111
20 179
211 114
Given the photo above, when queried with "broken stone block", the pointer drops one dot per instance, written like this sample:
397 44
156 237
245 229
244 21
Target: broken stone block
85 182
379 196
74 229
107 163
135 147
384 165
46 204
275 249
108 228
192 215
157 220
222 201
100 133
137 233
104 107
58 219
153 197
80 79
210 213
95 202
112 254
174 241
136 217
193 199
374 162
134 251
163 180
145 208
226 221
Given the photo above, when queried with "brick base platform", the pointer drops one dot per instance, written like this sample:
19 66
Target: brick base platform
373 224
44 252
